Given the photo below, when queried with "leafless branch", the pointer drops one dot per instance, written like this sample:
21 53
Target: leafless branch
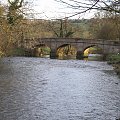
87 5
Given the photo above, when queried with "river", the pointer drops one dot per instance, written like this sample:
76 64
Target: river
50 89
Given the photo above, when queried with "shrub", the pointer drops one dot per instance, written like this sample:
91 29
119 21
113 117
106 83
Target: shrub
113 59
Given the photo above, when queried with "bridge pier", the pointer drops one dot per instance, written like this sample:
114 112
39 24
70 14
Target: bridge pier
79 55
53 54
105 56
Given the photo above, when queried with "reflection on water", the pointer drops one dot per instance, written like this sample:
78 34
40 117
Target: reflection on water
68 57
94 57
45 89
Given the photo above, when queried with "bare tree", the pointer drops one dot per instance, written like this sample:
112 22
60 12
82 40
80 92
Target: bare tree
13 14
86 5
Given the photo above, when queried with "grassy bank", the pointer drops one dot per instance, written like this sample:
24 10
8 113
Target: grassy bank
13 52
114 59
17 52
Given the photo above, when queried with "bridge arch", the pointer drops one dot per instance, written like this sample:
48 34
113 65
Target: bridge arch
66 51
83 52
93 51
41 50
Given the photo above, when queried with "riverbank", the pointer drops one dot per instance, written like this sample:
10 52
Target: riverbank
117 68
114 60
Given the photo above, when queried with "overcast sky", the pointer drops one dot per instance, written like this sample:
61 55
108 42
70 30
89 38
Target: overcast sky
50 9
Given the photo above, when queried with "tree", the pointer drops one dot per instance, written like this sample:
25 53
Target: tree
10 25
86 5
13 14
61 28
106 25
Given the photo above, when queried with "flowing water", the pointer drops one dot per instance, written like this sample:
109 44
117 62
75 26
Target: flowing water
45 89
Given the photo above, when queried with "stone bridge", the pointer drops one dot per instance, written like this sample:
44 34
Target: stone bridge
107 46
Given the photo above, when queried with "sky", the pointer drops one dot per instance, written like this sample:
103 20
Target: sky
50 9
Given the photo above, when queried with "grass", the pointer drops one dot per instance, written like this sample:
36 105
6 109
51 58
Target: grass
17 52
